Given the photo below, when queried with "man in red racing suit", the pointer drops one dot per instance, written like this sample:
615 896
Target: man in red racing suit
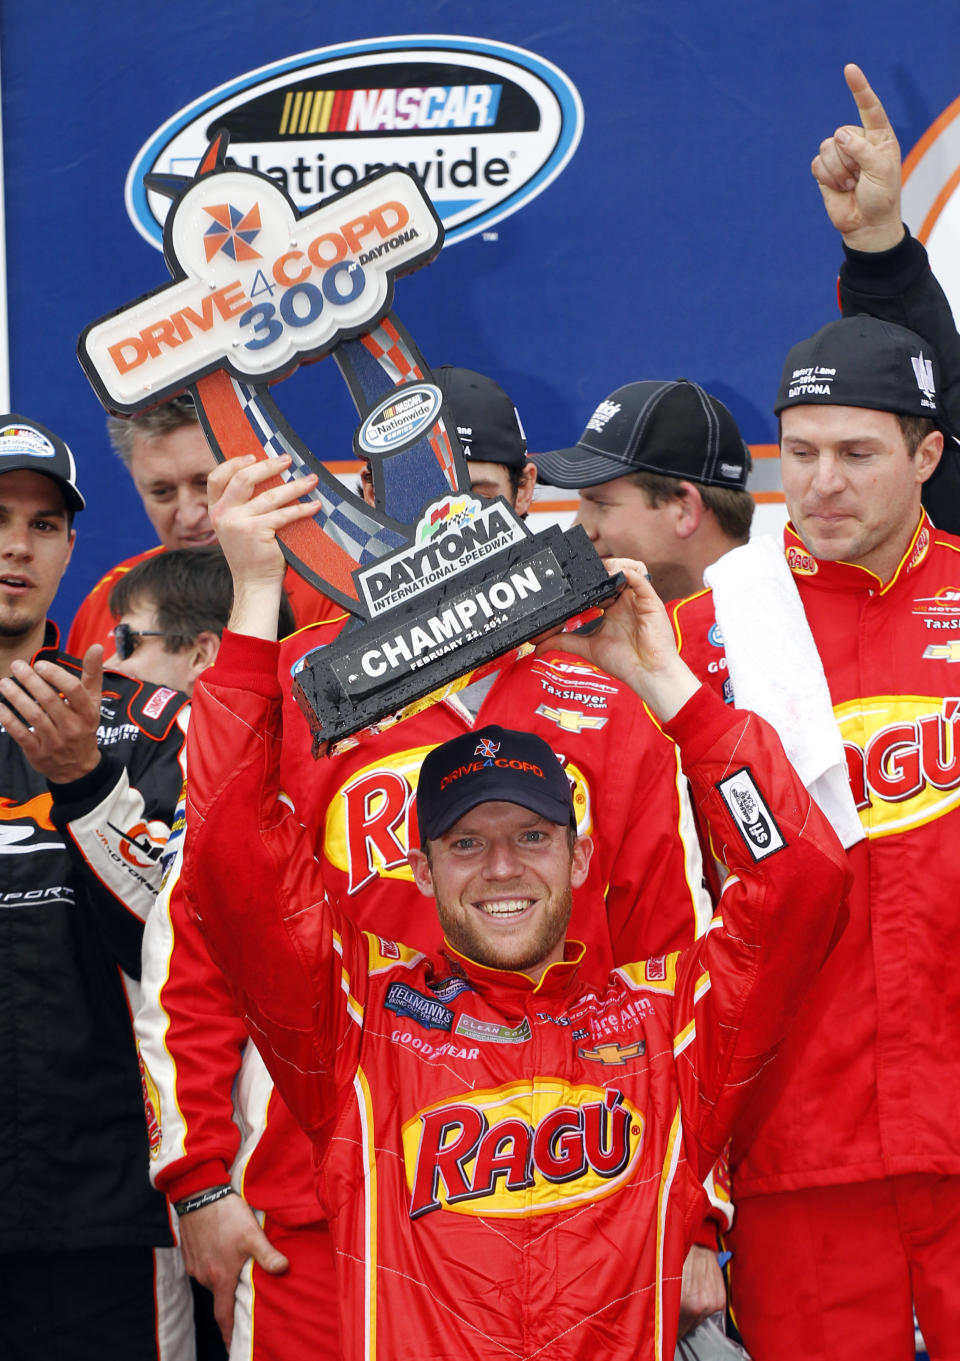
215 1113
474 1154
848 1197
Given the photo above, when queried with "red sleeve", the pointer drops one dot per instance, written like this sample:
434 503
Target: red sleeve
657 901
298 968
191 1042
780 913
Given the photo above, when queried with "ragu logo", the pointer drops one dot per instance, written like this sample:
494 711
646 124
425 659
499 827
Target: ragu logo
369 819
525 1148
484 126
800 562
151 1106
903 759
919 549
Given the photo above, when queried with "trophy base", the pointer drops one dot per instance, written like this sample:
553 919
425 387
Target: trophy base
478 615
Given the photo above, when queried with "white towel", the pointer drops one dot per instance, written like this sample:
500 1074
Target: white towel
776 671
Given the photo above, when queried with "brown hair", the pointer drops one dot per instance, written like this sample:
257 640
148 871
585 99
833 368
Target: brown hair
160 420
732 506
191 590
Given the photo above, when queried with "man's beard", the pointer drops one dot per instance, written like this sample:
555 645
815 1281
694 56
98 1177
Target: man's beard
15 627
468 938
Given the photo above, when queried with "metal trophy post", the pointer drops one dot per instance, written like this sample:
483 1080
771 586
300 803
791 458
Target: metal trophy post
439 582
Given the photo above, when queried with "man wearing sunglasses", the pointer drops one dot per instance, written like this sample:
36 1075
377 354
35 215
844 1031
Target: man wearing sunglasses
171 610
91 769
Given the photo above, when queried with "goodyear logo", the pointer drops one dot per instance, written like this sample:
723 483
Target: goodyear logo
525 1148
484 126
903 759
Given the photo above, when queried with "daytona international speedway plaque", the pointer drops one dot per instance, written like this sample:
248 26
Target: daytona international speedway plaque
438 581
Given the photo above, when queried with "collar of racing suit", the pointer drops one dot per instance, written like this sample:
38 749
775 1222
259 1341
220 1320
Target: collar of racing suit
847 576
556 979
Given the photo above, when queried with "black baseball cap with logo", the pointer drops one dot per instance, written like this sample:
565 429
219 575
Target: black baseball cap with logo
26 444
486 765
487 420
669 427
863 361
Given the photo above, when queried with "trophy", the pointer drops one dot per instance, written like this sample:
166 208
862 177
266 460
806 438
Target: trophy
437 582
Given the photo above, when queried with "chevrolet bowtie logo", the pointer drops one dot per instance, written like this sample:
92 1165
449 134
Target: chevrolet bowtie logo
570 720
614 1054
943 652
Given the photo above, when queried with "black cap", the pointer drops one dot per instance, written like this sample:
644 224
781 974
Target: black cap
28 444
487 420
672 428
492 763
863 361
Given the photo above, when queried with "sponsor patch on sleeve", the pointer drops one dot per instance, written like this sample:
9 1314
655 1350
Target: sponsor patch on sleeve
750 812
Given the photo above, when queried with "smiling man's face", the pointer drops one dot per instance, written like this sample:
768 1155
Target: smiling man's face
503 878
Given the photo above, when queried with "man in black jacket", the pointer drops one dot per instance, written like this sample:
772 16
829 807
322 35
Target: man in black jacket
91 769
886 272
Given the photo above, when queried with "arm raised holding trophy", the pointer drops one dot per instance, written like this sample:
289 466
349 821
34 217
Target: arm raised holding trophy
438 582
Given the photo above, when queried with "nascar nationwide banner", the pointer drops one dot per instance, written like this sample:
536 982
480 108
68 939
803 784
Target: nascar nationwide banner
624 190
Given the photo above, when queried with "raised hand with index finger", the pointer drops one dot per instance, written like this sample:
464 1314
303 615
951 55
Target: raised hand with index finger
858 171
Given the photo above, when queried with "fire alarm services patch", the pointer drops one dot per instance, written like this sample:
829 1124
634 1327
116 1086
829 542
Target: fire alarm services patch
750 812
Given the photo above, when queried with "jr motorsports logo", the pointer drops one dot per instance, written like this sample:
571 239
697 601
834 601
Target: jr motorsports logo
483 125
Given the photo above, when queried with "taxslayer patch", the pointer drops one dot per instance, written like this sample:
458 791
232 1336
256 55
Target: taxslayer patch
903 759
532 1147
750 812
426 1011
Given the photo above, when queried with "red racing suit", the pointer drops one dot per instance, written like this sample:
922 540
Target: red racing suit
630 797
507 1167
870 1084
214 1112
